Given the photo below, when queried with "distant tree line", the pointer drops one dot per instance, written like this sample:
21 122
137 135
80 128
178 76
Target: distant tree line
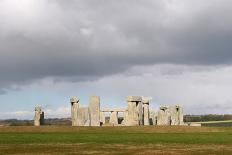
205 118
49 121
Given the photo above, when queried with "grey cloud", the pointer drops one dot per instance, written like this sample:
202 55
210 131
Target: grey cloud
86 40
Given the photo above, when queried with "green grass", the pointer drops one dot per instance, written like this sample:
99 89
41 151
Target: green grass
122 138
115 140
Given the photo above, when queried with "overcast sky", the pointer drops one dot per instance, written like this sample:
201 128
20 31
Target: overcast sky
173 51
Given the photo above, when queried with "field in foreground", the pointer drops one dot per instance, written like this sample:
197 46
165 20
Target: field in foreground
115 140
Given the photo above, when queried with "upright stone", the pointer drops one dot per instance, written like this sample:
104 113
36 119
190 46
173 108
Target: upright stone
146 112
74 107
135 111
176 113
102 118
181 115
114 118
163 117
39 116
83 117
94 109
140 113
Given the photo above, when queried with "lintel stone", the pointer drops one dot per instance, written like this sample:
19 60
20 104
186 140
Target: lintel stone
134 98
74 99
145 101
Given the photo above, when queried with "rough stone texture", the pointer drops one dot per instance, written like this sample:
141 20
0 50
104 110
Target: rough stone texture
176 113
102 117
134 99
181 116
170 115
146 113
74 107
125 117
114 118
115 109
39 116
132 114
140 113
83 117
94 109
163 117
135 111
74 99
153 117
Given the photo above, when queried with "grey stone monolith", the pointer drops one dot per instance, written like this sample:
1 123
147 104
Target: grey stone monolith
102 118
146 112
74 107
94 109
39 116
83 116
163 117
176 113
114 118
135 111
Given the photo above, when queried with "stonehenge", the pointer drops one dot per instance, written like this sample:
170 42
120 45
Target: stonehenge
137 113
94 110
74 106
85 116
169 115
39 116
146 113
113 115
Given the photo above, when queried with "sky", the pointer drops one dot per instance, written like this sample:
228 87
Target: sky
172 51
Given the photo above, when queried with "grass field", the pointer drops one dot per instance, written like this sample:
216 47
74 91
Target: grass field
227 123
115 140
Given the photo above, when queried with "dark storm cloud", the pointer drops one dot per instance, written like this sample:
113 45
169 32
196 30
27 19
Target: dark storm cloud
86 40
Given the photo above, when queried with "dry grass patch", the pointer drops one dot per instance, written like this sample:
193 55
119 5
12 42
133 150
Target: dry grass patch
109 149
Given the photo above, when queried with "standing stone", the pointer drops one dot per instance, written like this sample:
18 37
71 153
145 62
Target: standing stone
140 113
102 118
114 118
74 107
94 109
135 111
163 117
181 116
146 112
83 117
39 116
176 113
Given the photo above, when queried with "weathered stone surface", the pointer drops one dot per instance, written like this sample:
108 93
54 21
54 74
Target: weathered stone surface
125 117
114 118
39 116
134 99
146 112
94 108
181 116
132 114
135 111
170 115
102 117
83 116
140 113
115 109
163 117
74 107
74 99
176 113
